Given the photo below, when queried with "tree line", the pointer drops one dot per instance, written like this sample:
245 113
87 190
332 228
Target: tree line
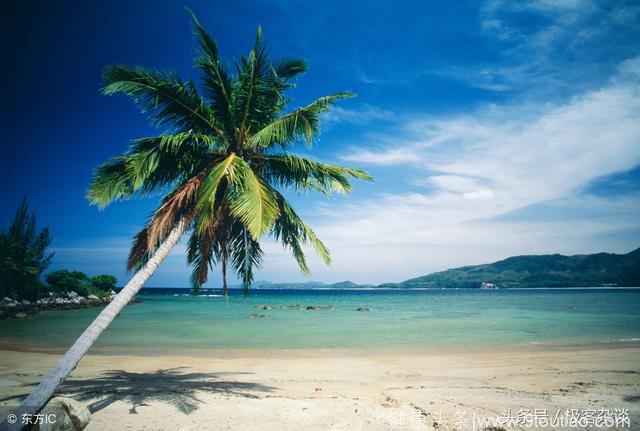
25 256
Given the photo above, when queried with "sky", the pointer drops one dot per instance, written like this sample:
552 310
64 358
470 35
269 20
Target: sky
492 128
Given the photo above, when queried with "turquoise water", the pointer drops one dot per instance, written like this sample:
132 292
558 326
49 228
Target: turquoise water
406 318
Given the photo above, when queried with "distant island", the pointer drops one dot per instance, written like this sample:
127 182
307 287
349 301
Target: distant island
549 270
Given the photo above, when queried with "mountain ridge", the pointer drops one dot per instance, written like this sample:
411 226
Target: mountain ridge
523 271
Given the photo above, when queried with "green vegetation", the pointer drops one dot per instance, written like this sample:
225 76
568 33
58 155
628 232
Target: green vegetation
552 270
79 282
313 285
104 282
23 256
223 160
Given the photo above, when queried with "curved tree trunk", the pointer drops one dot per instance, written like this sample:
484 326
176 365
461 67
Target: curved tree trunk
45 390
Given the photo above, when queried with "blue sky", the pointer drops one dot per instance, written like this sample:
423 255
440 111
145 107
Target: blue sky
492 128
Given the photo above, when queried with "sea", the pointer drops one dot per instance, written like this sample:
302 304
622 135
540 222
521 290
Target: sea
174 319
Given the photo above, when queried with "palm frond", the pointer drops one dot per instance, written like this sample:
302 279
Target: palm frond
246 254
166 97
177 205
217 82
202 251
257 97
295 234
253 201
222 171
111 182
290 67
150 165
138 253
300 124
301 173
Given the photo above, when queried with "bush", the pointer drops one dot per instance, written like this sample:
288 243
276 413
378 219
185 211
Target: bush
65 281
104 282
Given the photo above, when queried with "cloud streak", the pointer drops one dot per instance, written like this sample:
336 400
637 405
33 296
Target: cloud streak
478 169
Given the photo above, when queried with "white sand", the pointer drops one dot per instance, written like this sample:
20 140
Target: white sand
335 389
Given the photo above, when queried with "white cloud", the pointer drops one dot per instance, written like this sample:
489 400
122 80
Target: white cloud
529 158
553 53
386 157
362 115
482 167
455 183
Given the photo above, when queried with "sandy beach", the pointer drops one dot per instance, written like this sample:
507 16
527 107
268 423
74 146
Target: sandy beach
336 389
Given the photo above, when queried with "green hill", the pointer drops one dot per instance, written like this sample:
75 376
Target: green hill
553 270
312 285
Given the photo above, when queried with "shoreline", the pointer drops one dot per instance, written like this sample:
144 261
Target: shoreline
436 350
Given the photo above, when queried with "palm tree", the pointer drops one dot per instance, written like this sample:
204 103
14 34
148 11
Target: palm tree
222 162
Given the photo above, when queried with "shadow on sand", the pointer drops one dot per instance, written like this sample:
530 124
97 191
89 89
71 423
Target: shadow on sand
173 386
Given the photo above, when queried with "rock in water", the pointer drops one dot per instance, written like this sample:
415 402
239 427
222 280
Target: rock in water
319 307
363 309
70 415
258 316
20 315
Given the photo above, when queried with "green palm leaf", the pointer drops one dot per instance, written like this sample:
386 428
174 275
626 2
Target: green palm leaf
164 95
290 67
303 174
301 124
253 201
217 83
295 235
246 254
150 165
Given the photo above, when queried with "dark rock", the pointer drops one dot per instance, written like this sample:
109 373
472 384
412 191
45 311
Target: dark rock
258 316
363 309
279 307
319 307
55 301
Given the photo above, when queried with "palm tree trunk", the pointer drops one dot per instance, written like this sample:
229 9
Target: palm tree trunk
245 275
224 272
45 390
